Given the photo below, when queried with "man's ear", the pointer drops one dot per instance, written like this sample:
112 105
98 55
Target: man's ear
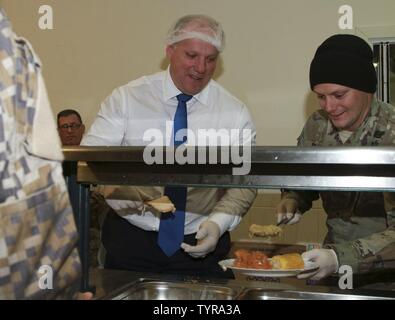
169 51
83 128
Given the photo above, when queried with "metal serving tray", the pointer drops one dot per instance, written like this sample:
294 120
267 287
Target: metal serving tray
161 290
265 294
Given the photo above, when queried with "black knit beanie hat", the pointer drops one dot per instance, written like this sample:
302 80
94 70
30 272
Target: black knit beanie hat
346 60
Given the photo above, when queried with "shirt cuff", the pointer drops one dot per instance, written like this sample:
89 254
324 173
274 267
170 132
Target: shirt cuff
346 255
224 221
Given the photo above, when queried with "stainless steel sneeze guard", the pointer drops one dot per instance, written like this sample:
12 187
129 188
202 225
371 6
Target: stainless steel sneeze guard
337 168
345 168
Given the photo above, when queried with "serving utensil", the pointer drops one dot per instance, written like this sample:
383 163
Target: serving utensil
285 220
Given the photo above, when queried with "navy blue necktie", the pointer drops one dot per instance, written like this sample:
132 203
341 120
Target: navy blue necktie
171 228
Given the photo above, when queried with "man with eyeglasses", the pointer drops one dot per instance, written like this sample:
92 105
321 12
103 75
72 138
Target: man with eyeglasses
70 127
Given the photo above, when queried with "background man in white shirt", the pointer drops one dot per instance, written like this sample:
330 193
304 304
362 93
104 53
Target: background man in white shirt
150 102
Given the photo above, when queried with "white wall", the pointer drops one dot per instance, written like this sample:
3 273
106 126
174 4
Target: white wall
97 45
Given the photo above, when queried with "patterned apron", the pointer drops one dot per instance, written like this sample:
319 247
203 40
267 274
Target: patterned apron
38 237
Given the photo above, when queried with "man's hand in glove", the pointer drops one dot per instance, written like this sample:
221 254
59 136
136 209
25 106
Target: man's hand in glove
208 236
324 259
288 208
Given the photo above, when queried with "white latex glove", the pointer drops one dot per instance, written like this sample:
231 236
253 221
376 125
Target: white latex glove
208 236
288 208
324 259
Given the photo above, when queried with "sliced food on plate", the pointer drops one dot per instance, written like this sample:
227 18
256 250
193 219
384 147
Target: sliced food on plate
254 259
258 264
251 259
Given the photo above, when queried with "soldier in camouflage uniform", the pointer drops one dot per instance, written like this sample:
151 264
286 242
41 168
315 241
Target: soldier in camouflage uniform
38 255
361 225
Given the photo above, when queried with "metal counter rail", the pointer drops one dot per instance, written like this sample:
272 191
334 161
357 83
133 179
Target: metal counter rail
322 168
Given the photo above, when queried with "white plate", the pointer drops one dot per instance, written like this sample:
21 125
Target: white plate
228 264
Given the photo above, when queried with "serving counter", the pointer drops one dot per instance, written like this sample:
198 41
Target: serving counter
345 168
128 285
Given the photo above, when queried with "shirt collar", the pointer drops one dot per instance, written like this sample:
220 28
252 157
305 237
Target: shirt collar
170 90
374 107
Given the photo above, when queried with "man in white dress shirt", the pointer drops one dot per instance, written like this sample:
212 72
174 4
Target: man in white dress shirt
150 102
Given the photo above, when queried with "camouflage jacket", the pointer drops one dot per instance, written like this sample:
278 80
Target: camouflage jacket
38 254
361 225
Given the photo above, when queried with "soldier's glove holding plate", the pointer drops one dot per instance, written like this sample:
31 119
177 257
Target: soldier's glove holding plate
288 208
207 236
326 261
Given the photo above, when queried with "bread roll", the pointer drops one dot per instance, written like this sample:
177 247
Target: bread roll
162 204
288 261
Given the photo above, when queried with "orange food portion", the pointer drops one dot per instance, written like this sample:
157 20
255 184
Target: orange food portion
258 260
251 259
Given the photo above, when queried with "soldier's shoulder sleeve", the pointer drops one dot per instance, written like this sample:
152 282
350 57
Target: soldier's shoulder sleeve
368 254
313 130
385 129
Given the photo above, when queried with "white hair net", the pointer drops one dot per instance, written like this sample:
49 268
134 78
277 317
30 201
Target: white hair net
197 27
